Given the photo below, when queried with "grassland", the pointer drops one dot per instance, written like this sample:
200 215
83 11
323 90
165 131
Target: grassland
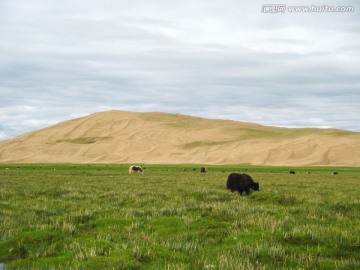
99 217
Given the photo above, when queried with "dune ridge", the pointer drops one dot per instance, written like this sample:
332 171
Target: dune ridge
129 137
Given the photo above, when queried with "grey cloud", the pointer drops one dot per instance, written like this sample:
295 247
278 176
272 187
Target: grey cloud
213 59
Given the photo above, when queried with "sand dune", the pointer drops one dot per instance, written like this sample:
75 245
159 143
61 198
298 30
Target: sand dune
126 137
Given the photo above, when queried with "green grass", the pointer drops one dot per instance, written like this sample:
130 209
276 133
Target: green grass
83 140
179 120
244 133
203 143
265 132
56 216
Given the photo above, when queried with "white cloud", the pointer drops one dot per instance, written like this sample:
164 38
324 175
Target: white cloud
220 59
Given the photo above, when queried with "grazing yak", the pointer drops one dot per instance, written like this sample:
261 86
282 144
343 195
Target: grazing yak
203 169
335 173
292 172
241 182
135 169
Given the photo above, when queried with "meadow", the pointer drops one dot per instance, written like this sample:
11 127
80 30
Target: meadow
100 217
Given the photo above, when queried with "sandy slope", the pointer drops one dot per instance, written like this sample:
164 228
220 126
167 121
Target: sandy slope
125 137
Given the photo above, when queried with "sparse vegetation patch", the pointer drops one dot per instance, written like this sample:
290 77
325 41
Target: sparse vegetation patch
83 140
203 143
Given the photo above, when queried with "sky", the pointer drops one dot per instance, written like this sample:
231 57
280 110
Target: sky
223 59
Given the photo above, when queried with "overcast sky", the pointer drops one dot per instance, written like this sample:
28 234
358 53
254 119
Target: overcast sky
211 58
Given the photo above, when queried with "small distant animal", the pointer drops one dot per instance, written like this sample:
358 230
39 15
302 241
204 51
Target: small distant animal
194 169
308 172
241 182
335 173
135 169
203 170
292 172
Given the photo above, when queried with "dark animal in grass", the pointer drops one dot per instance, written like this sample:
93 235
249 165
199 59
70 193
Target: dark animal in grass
292 172
241 182
203 169
335 173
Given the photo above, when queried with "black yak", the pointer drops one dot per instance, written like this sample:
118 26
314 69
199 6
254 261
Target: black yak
241 182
